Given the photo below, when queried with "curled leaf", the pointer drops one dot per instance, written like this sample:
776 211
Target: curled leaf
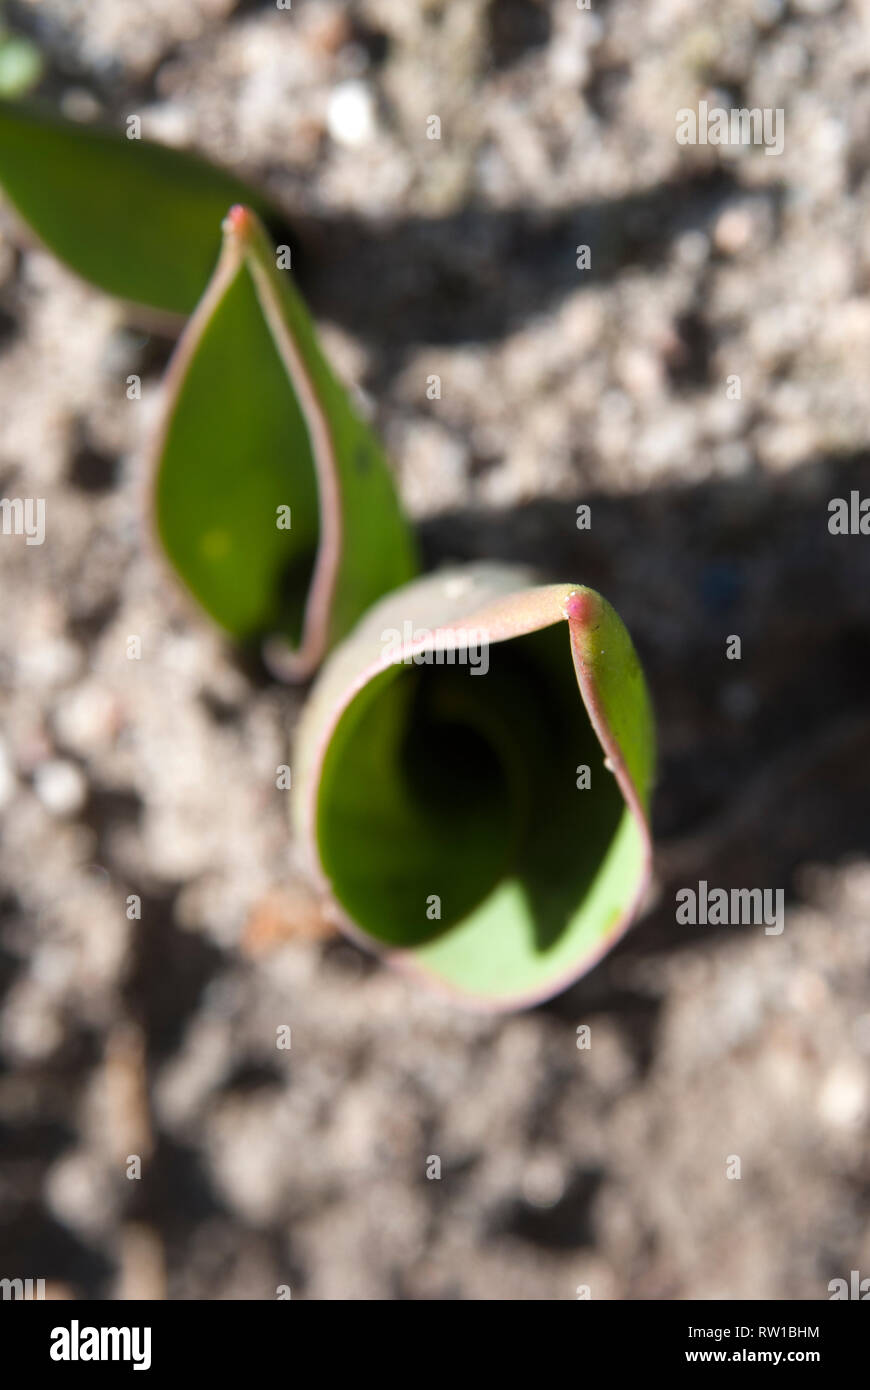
137 219
272 498
473 778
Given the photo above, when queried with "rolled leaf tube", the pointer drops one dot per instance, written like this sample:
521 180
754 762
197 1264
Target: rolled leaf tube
472 782
272 498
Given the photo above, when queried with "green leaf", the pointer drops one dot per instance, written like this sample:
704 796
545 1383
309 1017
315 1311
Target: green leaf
255 424
422 784
137 219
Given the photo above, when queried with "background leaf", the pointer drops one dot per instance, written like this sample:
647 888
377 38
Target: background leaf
137 219
256 421
415 780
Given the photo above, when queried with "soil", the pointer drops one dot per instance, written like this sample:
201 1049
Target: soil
612 1166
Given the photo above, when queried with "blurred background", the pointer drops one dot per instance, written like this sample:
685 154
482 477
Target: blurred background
457 258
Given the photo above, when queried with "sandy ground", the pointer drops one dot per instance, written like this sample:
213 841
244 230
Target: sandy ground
560 1167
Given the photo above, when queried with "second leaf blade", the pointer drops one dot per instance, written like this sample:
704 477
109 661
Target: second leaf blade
259 433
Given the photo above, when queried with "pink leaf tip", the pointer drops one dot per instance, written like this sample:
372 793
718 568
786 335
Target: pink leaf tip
579 607
239 220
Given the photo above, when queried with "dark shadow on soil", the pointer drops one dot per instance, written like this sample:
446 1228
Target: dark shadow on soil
478 274
566 1225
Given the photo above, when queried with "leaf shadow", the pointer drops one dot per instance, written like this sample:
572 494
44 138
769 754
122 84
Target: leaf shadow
477 274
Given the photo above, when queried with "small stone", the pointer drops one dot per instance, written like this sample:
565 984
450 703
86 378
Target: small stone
51 661
60 786
30 1026
350 115
78 1194
843 1099
733 231
543 1182
86 718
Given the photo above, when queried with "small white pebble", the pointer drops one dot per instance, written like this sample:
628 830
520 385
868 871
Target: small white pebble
48 663
350 115
86 717
843 1099
60 786
543 1182
30 1027
77 1192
